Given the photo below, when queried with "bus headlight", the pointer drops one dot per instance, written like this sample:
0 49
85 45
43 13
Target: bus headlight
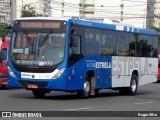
58 74
11 73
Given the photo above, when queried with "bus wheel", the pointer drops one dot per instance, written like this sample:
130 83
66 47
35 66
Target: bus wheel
132 90
38 93
85 93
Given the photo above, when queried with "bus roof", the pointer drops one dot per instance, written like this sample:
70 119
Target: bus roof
97 24
43 18
114 26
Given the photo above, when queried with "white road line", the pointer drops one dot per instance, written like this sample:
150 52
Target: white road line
142 103
75 109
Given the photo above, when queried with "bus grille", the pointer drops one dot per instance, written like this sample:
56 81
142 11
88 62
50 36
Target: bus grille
34 70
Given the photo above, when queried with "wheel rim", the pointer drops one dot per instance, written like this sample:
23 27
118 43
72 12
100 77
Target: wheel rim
86 87
134 85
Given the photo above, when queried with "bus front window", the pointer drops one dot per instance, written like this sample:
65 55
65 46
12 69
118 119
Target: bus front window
37 48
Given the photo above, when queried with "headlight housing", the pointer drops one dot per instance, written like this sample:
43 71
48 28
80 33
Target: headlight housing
11 73
58 74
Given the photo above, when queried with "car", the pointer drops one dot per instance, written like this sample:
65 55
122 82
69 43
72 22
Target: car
3 62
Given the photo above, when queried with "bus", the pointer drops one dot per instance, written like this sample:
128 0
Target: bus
4 45
82 56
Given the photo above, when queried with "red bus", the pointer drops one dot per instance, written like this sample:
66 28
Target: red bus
3 62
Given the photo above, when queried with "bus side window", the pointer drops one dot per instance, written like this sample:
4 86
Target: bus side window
74 44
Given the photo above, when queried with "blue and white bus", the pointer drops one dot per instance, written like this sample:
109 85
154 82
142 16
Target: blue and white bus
82 56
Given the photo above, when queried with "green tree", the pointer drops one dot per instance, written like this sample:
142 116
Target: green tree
156 28
29 11
3 30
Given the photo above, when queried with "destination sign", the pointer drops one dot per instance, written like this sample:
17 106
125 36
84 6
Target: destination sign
39 24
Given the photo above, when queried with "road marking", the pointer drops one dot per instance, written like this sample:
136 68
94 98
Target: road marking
142 103
75 109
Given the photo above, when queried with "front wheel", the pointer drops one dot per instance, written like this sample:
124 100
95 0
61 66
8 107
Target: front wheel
132 89
38 93
85 93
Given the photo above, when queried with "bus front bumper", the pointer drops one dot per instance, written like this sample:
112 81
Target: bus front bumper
58 84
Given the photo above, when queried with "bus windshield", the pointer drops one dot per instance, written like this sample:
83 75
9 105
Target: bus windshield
37 48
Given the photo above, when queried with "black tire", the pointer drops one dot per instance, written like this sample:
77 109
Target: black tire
132 90
38 93
85 93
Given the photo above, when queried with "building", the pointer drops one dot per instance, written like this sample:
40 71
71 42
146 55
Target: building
17 6
139 13
5 11
157 14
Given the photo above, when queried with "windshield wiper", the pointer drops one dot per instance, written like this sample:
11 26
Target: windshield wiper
45 38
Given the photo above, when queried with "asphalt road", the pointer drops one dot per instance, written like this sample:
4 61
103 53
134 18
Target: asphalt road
147 99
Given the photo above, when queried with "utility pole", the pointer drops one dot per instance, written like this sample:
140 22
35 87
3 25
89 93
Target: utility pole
11 11
122 5
47 8
22 8
62 13
83 9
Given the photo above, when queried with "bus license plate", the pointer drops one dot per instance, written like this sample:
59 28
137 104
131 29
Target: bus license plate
32 86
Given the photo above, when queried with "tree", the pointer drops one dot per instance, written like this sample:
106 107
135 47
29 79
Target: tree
29 11
3 30
155 28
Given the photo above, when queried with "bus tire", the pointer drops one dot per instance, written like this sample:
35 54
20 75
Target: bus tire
85 93
38 93
132 90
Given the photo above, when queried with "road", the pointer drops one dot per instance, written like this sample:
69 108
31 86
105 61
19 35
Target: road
147 99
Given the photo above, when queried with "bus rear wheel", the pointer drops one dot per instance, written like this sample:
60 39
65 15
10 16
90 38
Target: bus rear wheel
85 93
132 89
38 93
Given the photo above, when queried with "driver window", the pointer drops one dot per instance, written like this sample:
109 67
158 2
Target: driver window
74 44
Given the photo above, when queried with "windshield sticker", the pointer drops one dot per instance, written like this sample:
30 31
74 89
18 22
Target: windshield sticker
26 50
60 54
31 57
17 50
25 56
18 56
